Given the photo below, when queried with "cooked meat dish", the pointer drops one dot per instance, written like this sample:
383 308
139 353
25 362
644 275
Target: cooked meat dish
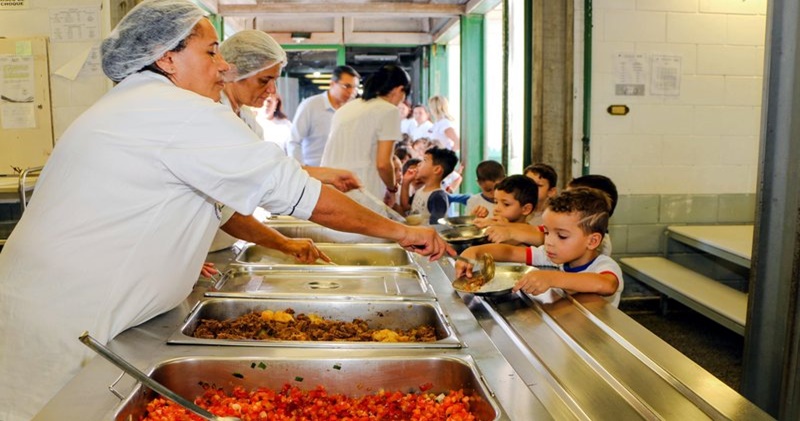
285 326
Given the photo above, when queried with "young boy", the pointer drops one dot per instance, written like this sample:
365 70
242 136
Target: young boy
605 185
546 179
489 173
574 225
515 199
430 201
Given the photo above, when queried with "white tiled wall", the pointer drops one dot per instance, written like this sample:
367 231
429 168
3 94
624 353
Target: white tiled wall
69 98
704 141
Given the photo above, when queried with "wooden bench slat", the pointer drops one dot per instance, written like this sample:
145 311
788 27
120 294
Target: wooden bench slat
705 295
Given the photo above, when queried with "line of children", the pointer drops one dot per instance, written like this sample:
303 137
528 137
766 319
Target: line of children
575 223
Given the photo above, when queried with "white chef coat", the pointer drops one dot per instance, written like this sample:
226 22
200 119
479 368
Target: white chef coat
355 131
120 223
407 125
311 128
437 132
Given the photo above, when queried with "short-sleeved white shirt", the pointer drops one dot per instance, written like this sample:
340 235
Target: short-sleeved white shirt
310 129
537 256
437 132
356 129
479 200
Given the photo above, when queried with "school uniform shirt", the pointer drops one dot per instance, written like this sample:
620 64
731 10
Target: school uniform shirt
479 200
431 205
311 128
536 256
355 131
120 223
407 125
437 132
421 130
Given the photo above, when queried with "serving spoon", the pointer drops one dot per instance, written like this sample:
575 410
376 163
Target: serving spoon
487 267
137 374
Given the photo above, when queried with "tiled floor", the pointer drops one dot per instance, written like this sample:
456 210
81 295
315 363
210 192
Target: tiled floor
705 342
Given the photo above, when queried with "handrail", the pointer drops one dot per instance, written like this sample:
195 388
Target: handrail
23 200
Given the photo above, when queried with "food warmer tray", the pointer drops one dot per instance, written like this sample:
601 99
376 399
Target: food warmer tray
378 315
329 282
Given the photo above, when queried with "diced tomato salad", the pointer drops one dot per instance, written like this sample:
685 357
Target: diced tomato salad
292 403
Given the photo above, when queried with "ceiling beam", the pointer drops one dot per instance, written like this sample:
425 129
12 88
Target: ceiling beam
324 9
481 7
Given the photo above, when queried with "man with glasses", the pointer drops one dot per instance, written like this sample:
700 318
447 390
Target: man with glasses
312 121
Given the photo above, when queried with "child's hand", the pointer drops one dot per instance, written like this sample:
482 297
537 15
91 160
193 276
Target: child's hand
410 174
482 222
499 234
535 282
480 212
463 267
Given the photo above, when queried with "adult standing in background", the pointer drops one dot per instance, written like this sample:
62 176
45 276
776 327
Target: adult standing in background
363 132
407 123
443 129
277 127
312 121
422 122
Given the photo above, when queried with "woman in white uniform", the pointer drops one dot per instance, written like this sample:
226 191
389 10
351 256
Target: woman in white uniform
363 131
124 210
443 129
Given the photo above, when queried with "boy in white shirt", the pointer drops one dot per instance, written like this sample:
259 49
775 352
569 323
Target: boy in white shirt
489 173
430 201
515 198
575 223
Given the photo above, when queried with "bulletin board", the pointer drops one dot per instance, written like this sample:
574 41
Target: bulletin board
26 120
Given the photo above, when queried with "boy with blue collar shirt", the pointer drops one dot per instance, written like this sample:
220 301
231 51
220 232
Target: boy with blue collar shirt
430 201
574 225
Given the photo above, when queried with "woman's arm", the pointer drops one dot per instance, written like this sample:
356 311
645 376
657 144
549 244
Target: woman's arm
451 134
385 165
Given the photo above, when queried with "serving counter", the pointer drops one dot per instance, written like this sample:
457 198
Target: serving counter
575 358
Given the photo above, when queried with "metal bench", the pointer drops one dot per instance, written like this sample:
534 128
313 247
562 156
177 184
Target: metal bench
704 295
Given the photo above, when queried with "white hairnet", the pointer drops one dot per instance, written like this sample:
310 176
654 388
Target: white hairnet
147 32
250 52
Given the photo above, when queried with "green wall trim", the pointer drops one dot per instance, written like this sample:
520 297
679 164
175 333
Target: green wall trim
438 80
472 98
527 123
587 87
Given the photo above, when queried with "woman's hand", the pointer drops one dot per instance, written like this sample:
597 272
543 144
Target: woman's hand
535 282
303 250
425 241
208 270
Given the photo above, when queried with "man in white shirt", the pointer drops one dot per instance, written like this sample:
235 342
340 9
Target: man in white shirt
312 121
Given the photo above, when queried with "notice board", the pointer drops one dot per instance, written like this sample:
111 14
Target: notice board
26 119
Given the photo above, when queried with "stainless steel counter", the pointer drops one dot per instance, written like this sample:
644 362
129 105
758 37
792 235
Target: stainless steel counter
577 358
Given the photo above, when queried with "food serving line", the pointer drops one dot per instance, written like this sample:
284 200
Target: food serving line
574 358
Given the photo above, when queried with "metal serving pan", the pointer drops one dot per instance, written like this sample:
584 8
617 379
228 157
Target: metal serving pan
458 221
378 315
352 376
330 282
388 255
505 277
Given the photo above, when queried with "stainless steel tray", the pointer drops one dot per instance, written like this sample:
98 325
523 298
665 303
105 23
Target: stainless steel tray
388 255
321 234
330 282
352 376
385 314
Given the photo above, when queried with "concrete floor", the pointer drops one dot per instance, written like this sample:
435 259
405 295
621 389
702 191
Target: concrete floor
713 347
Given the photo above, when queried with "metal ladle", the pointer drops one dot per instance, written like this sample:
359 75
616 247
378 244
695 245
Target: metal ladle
486 263
147 381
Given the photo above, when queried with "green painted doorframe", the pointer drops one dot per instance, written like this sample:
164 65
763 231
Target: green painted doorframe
472 98
438 80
